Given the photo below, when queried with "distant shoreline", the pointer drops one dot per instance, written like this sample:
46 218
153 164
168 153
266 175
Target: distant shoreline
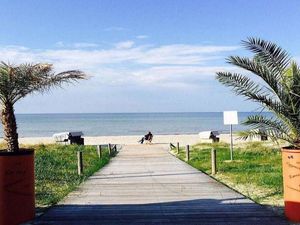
183 139
43 113
124 124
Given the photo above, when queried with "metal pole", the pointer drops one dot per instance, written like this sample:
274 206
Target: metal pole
231 143
177 147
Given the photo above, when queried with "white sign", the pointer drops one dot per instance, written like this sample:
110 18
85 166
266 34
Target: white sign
230 117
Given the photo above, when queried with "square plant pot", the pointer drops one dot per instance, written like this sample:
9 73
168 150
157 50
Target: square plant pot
17 195
291 183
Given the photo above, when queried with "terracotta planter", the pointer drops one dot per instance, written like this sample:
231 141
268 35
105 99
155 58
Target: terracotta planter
17 199
291 183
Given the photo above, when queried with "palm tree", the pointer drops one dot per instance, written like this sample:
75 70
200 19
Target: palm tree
18 81
277 90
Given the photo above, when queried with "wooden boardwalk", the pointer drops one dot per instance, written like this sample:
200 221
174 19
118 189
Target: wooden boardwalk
144 184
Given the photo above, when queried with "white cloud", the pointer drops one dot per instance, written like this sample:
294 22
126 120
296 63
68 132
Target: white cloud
142 36
61 44
177 75
124 44
128 64
85 45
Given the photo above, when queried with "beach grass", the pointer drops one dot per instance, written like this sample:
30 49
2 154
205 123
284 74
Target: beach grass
256 170
56 170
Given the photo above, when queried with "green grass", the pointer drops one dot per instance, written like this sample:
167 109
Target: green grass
255 171
56 170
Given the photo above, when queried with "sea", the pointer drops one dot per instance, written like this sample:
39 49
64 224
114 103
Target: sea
109 124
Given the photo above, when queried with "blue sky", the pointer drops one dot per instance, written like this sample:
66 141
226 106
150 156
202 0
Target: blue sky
142 56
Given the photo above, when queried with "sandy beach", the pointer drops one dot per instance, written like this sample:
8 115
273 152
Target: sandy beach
183 139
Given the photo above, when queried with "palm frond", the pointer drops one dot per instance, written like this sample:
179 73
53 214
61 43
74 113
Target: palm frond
273 128
239 83
293 79
258 69
269 53
242 85
19 81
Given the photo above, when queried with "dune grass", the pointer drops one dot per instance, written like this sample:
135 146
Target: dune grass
56 170
255 171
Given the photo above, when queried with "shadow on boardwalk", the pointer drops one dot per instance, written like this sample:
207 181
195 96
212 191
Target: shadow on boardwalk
202 211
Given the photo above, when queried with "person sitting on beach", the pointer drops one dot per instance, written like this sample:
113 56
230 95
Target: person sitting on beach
147 137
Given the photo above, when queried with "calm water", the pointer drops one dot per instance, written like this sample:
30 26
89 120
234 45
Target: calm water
38 125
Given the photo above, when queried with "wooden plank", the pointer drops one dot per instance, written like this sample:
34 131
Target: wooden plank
99 151
145 184
213 161
187 149
109 149
79 162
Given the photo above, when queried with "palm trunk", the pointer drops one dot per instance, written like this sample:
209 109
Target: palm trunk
8 120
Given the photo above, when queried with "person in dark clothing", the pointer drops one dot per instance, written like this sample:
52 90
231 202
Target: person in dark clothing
147 137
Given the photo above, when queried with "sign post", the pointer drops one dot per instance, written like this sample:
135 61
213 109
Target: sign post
230 118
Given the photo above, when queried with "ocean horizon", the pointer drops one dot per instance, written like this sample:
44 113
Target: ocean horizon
110 124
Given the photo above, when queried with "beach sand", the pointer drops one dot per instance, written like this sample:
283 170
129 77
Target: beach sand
183 139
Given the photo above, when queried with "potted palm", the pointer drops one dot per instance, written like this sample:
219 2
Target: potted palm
17 200
274 83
